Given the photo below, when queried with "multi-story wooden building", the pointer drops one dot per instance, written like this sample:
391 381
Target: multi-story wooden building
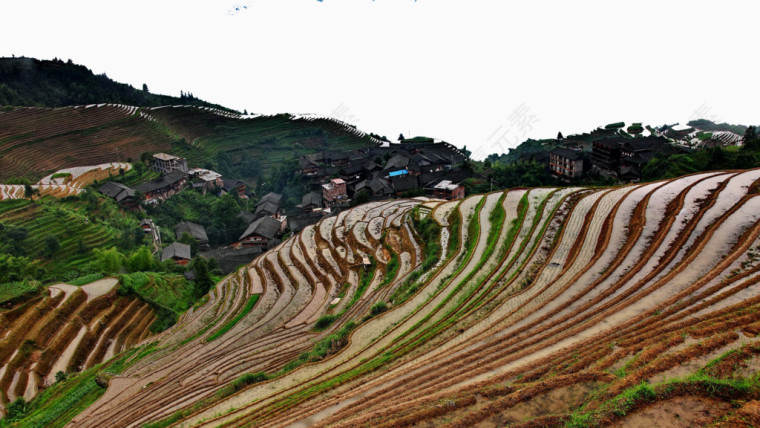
166 163
566 162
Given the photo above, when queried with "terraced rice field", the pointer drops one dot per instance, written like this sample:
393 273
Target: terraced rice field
66 182
66 329
544 307
72 227
37 141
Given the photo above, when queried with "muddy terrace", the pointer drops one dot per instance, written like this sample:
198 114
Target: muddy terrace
528 307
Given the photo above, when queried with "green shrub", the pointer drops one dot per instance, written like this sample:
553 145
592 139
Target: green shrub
60 175
324 348
168 294
86 279
241 382
16 410
15 290
378 308
325 321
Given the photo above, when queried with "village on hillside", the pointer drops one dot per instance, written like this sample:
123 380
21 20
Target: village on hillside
621 153
336 180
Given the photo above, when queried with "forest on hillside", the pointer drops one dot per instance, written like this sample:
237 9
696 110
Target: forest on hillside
55 83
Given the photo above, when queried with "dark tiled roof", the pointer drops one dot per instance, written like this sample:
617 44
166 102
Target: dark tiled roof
455 176
361 186
419 159
403 183
270 197
195 230
360 158
611 143
333 156
441 159
629 173
306 163
265 226
117 191
247 217
397 162
644 143
266 208
273 243
311 198
176 249
231 183
160 183
296 224
566 153
352 169
230 259
377 186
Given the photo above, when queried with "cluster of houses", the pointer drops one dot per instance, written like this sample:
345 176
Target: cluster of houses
181 253
265 226
336 177
425 168
612 155
175 177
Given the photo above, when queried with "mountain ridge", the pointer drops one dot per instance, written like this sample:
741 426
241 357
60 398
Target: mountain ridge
31 82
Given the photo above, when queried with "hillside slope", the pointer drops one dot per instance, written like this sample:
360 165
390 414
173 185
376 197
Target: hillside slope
37 141
534 307
42 83
56 114
66 329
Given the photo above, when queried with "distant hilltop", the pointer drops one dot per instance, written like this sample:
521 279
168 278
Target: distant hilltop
32 82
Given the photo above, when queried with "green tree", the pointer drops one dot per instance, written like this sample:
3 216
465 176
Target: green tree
145 87
751 140
16 410
717 158
360 198
81 247
203 281
146 157
225 211
14 268
141 261
52 244
12 239
30 192
188 239
745 160
139 168
109 261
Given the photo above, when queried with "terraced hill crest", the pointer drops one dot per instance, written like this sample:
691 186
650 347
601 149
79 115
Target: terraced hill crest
35 141
524 307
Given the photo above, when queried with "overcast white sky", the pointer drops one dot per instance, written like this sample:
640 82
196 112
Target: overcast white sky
486 74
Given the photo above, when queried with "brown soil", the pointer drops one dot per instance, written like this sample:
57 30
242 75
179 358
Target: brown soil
685 412
561 400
